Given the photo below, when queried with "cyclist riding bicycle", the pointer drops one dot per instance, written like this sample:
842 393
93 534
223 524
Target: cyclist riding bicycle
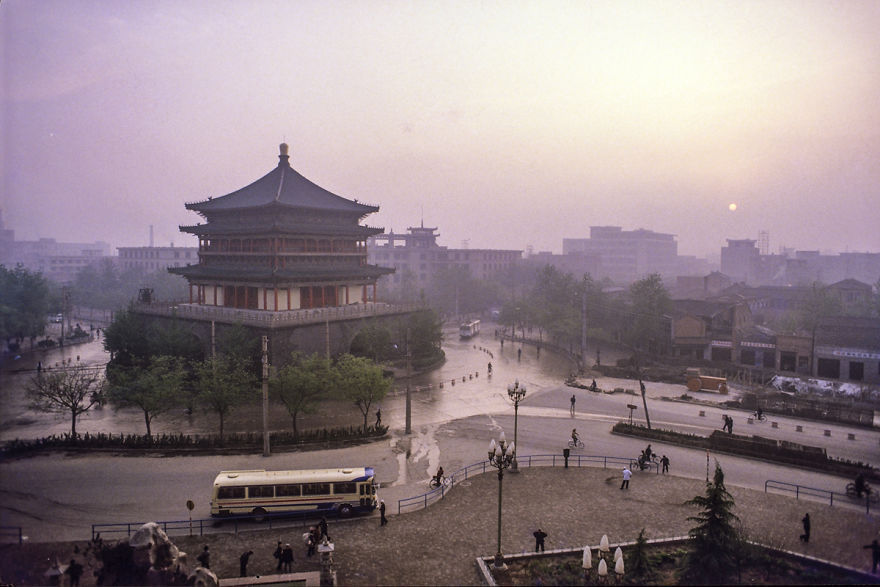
861 486
438 478
759 413
574 436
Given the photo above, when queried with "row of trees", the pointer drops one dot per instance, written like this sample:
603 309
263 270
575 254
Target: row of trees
24 304
219 384
558 305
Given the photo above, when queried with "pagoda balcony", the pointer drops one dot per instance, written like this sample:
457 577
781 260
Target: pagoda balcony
271 319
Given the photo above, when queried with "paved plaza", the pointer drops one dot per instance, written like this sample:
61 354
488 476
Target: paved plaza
439 544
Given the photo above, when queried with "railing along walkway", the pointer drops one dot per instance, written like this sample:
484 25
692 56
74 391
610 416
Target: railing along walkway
269 318
815 493
13 532
429 497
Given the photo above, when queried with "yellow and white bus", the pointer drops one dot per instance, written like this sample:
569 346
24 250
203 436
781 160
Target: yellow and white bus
260 492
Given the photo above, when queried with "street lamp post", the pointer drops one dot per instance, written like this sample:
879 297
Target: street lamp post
500 457
516 393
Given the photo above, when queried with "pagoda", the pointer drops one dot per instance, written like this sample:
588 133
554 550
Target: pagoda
281 244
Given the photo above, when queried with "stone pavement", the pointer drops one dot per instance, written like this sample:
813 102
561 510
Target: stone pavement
438 545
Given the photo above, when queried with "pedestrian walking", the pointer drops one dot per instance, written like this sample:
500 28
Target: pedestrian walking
75 570
382 519
626 475
243 563
378 417
572 404
805 537
312 541
287 558
730 424
875 554
519 354
539 535
664 460
277 554
322 529
205 558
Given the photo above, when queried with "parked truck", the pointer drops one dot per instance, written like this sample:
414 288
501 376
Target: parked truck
698 382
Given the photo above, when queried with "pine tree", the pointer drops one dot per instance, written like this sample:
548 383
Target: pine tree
716 539
639 566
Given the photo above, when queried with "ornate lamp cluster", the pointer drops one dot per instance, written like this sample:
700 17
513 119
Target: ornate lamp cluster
501 455
602 568
516 393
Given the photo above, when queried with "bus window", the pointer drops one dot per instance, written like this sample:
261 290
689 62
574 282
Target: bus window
339 488
316 488
261 491
230 493
287 491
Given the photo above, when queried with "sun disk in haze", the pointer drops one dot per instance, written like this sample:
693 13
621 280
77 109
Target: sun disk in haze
732 207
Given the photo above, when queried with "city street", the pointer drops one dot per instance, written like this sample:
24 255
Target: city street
58 497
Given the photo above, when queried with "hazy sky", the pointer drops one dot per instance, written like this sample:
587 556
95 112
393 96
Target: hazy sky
509 124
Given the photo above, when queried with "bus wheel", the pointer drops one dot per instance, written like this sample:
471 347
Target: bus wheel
345 510
259 515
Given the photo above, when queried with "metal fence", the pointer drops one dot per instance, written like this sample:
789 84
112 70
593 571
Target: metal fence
11 534
815 493
554 460
204 526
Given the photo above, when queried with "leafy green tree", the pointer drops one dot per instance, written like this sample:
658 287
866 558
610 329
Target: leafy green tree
301 383
69 390
639 567
154 389
650 302
716 539
425 335
24 303
223 383
374 342
361 382
132 339
242 344
818 305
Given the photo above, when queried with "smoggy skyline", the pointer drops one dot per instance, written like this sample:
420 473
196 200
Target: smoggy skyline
506 124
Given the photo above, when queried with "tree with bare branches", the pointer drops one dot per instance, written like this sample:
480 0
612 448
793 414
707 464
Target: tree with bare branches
71 389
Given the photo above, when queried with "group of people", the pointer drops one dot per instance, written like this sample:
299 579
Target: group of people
284 554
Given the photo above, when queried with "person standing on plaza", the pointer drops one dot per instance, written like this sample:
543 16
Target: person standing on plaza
730 424
664 460
287 558
277 554
205 558
75 570
626 475
322 529
382 519
243 563
539 535
875 554
572 404
805 537
378 417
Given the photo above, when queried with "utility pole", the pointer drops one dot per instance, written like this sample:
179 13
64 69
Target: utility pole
584 329
645 403
266 451
408 397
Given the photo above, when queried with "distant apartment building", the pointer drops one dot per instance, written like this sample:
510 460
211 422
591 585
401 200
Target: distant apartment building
740 260
151 259
743 262
416 255
57 261
625 256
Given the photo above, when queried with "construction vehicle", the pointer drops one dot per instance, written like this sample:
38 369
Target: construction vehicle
698 382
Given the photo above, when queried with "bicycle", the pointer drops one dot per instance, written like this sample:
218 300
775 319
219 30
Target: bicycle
873 496
433 484
759 417
572 443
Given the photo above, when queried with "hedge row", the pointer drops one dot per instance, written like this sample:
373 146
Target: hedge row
186 441
755 446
